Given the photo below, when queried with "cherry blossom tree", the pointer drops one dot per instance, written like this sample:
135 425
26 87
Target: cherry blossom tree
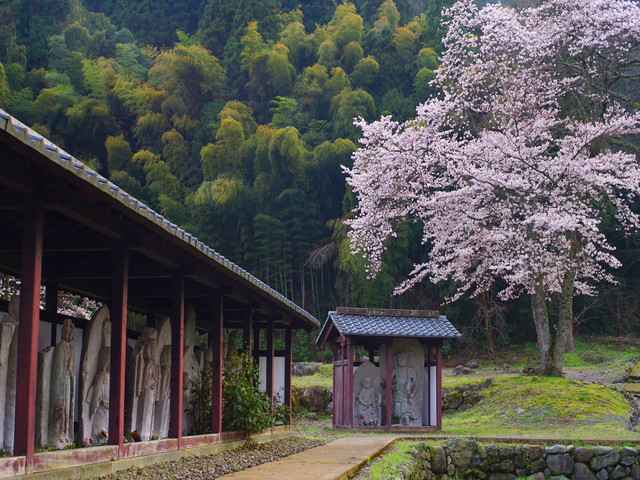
513 169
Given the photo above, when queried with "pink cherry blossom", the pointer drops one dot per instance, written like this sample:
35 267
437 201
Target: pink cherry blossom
512 169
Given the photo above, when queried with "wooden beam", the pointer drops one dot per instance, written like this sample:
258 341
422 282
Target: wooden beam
119 307
177 360
217 322
31 278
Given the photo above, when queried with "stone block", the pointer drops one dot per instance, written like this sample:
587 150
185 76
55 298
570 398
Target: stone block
602 475
462 452
583 454
618 473
439 460
602 450
502 476
628 452
582 471
560 464
627 461
555 449
603 461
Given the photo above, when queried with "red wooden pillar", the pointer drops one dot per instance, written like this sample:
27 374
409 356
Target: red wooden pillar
247 331
439 386
51 306
217 347
288 363
349 382
118 347
269 362
31 278
177 359
388 392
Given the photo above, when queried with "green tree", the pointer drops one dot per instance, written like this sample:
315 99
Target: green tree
348 105
365 72
224 156
285 112
119 153
351 55
175 153
190 72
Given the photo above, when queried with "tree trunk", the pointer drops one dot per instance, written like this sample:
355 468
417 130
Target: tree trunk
486 313
565 322
571 344
541 320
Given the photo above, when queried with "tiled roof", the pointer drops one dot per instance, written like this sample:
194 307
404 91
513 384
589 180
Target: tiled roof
58 156
392 326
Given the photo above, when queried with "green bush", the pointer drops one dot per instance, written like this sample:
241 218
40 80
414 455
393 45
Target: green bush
244 407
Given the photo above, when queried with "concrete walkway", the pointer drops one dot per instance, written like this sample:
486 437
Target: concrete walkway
337 460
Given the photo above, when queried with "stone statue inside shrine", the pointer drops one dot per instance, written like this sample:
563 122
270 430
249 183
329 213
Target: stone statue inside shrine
191 367
8 364
405 385
62 389
147 383
367 404
163 402
93 385
366 385
98 393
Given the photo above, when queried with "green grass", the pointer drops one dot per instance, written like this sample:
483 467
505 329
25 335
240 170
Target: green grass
542 406
323 378
386 466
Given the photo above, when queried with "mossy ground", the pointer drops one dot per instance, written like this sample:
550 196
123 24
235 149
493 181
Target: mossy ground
323 378
543 406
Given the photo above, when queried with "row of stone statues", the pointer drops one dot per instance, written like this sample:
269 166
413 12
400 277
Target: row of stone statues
407 386
61 384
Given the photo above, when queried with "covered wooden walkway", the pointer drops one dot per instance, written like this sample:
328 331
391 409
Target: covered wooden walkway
64 226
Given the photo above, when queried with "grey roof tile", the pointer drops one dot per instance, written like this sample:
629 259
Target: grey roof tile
387 326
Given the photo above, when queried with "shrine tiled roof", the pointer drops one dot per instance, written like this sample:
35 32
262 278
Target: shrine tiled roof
390 323
145 213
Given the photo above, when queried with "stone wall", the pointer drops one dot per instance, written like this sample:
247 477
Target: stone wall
463 397
470 460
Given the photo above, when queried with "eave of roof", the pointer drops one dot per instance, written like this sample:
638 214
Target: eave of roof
144 214
388 326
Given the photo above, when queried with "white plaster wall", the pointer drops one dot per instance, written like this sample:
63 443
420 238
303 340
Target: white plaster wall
278 375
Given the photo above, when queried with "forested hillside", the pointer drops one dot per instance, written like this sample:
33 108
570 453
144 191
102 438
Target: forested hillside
233 118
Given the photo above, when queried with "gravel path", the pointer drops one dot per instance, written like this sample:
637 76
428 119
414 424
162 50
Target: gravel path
213 466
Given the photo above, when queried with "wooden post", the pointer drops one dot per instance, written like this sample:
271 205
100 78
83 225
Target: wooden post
216 373
177 359
269 362
439 386
51 306
349 382
118 347
388 392
288 364
247 331
27 361
255 350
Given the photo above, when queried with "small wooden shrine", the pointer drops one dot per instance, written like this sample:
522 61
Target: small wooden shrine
398 385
